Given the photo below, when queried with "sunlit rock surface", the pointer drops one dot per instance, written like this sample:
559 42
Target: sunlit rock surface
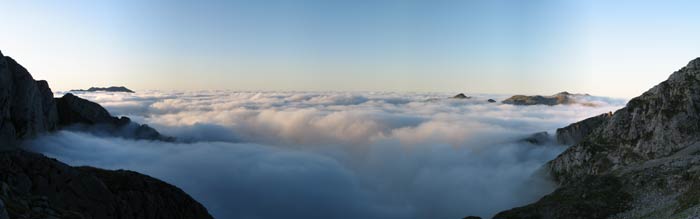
639 162
560 98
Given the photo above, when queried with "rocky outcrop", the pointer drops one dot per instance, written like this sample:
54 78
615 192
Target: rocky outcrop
560 98
576 132
106 89
660 122
461 96
491 100
25 110
28 108
650 147
34 186
539 138
72 110
91 117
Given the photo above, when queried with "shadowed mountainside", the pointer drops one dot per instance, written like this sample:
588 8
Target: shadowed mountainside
34 186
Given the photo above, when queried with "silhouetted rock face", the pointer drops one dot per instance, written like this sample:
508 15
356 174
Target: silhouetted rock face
91 117
560 98
28 108
576 132
647 152
107 89
34 186
48 105
73 109
24 110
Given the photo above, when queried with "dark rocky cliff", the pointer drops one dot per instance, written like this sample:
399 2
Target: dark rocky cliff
647 153
75 112
27 107
34 186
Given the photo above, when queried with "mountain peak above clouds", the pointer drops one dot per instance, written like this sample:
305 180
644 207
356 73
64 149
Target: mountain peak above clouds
640 160
106 89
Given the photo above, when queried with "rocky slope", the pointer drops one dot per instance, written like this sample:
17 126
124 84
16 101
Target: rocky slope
107 89
576 132
34 186
560 98
643 161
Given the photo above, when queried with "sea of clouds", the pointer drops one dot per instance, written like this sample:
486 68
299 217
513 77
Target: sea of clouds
332 154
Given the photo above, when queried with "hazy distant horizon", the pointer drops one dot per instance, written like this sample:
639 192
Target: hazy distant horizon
510 47
442 94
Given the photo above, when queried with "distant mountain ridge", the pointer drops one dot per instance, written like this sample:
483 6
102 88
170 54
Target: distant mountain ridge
556 99
34 186
461 96
106 89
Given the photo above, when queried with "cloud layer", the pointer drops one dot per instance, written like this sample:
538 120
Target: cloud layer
329 154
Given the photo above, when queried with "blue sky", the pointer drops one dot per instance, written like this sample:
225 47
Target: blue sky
610 48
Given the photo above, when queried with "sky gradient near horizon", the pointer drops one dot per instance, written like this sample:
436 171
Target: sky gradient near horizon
608 48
